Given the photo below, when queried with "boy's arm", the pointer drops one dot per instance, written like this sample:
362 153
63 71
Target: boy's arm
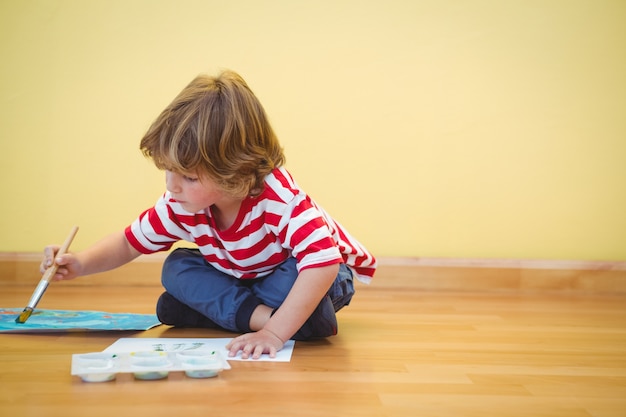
109 253
308 290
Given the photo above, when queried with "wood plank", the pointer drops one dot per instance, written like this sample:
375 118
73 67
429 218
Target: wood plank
428 274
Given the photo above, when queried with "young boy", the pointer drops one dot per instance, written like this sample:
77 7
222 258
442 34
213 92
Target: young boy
270 263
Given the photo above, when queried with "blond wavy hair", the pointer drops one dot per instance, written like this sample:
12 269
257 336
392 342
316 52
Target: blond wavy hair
216 126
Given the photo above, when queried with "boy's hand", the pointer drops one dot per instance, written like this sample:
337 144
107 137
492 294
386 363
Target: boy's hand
69 266
253 345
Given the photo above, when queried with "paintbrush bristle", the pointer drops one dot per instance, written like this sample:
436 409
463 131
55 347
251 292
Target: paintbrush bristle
24 316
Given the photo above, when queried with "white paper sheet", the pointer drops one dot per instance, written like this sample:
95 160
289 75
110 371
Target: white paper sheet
125 345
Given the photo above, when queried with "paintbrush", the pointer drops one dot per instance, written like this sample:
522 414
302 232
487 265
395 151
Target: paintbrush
45 280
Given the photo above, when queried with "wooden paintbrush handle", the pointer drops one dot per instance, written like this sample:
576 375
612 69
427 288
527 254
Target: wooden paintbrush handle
47 276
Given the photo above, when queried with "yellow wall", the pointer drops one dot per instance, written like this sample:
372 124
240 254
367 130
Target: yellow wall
454 128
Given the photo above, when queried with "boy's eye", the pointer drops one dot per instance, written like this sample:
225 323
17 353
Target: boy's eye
190 179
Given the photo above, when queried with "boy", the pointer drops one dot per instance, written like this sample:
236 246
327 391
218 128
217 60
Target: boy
270 263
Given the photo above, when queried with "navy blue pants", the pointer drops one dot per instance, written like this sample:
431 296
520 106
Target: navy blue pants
228 301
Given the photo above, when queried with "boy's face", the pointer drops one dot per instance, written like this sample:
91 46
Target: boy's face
192 192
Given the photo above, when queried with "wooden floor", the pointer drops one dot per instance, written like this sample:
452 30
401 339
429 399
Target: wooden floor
401 351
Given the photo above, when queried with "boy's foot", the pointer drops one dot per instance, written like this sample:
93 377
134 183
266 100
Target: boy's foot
322 323
172 312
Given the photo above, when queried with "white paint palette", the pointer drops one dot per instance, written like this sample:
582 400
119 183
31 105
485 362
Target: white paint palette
147 365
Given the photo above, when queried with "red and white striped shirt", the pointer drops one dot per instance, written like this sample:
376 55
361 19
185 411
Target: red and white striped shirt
281 222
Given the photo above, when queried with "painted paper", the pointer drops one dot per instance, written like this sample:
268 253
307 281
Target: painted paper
126 345
42 321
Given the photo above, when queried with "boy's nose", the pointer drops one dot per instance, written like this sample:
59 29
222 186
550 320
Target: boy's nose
170 182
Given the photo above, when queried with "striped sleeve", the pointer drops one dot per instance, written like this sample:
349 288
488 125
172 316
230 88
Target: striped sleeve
156 229
315 237
305 232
